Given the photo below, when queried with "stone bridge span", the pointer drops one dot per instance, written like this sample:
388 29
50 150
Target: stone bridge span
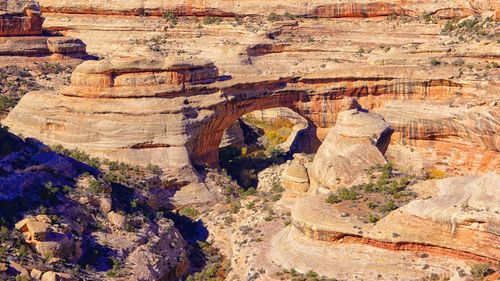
173 114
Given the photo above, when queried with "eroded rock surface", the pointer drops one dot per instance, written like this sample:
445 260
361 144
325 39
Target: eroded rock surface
21 33
356 142
20 17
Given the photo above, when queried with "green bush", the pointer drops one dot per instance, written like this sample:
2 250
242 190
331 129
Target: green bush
387 207
332 199
434 62
387 170
189 212
480 270
96 186
171 18
458 62
115 267
211 20
372 205
369 187
290 16
373 218
272 17
154 169
347 194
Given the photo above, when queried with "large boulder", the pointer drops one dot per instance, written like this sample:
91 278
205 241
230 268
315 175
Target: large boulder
162 257
356 143
49 239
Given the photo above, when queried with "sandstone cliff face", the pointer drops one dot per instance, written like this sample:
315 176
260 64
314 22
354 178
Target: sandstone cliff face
152 111
165 92
323 8
456 221
21 33
20 18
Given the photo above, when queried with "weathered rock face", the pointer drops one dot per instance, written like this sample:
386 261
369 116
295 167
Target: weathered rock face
356 143
159 111
295 177
463 202
146 114
21 29
20 18
233 136
108 78
461 220
323 8
51 241
162 257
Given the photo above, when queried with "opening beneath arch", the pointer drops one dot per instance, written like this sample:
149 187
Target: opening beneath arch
260 139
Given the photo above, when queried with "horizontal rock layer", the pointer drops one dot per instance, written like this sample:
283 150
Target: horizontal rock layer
41 46
91 76
323 8
18 24
442 223
175 125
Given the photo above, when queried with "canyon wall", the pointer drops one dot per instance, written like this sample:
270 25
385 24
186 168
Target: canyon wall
156 114
309 8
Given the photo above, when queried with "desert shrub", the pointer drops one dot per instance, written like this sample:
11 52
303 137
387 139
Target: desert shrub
436 174
276 197
115 267
332 199
277 187
272 17
249 191
289 16
171 18
154 169
388 206
458 62
492 64
96 186
235 208
189 212
211 20
347 194
427 17
373 218
392 16
480 270
6 103
434 62
387 170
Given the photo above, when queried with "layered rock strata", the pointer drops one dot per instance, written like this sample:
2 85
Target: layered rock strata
175 113
20 18
460 221
323 8
295 177
21 33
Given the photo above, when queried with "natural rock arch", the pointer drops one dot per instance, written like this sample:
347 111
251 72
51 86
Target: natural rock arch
173 114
